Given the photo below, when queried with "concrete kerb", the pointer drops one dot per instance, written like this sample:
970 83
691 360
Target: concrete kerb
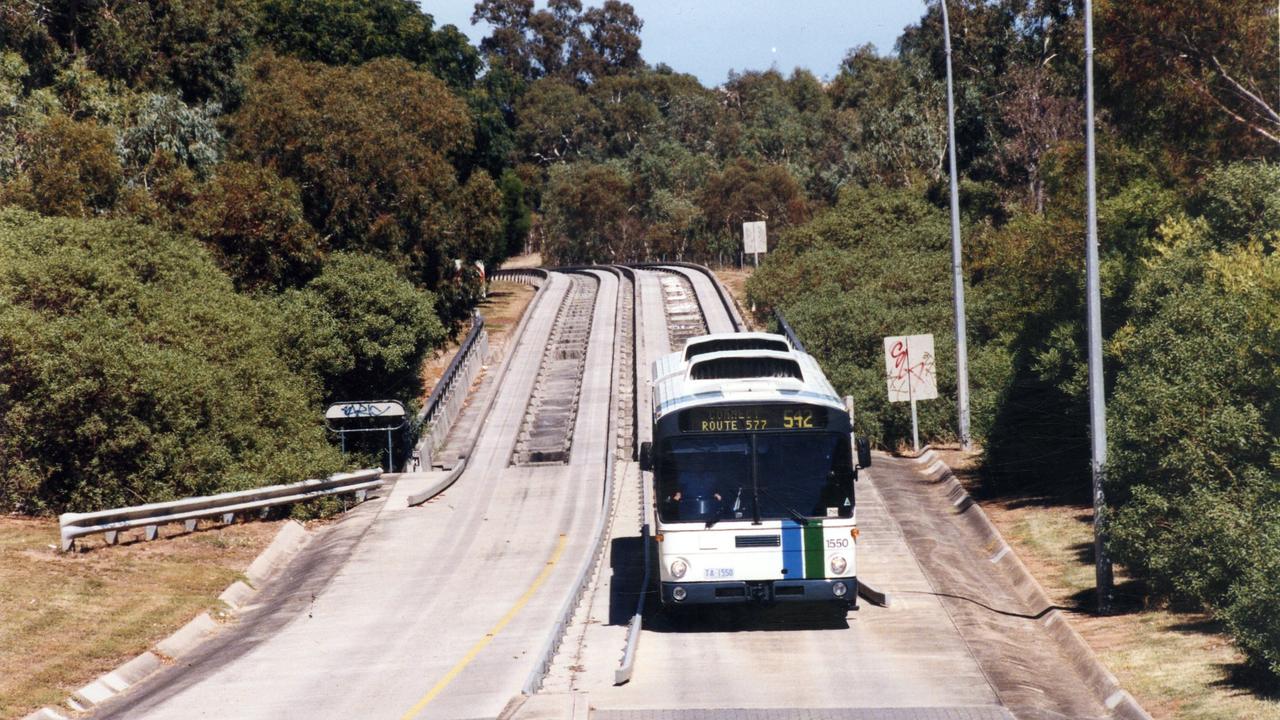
287 542
1100 680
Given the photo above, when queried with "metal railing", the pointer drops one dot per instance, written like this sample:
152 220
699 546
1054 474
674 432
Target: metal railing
786 330
430 428
224 505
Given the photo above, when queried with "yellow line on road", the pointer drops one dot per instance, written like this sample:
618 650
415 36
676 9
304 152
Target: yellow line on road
488 637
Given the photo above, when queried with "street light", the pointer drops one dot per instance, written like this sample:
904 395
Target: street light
1097 402
957 278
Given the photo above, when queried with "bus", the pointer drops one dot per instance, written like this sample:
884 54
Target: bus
752 475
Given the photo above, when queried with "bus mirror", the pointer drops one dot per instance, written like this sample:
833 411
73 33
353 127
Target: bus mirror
864 452
646 456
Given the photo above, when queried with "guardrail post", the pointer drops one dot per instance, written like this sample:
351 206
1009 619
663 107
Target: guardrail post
228 518
192 525
152 531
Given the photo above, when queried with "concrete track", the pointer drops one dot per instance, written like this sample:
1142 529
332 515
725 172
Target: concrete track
432 612
909 658
439 611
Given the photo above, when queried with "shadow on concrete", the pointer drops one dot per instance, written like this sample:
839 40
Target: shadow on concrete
626 561
744 618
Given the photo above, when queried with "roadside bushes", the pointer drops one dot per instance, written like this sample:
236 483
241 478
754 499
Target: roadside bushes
131 371
877 264
1195 429
360 329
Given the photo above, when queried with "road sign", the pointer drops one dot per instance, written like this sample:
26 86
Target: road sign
754 238
387 409
366 416
910 368
911 373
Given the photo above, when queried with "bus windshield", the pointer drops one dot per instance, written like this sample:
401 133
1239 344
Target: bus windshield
708 478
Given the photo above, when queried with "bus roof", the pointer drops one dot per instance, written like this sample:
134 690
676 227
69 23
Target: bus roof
739 376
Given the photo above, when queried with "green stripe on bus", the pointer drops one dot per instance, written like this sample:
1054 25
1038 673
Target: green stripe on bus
814 554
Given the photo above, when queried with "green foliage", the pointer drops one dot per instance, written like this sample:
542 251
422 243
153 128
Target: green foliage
350 32
191 47
252 220
1240 201
516 219
131 372
876 264
1195 431
165 123
361 329
71 168
370 147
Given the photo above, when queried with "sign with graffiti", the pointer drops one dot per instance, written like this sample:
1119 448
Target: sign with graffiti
910 368
349 410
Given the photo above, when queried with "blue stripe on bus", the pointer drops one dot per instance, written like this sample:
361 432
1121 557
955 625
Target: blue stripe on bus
792 550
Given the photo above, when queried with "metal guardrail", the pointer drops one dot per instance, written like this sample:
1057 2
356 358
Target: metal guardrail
432 424
224 505
525 276
786 330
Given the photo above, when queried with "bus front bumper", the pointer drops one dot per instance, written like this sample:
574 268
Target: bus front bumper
761 591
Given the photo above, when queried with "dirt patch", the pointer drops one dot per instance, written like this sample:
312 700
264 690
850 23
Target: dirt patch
1179 665
736 281
532 260
66 618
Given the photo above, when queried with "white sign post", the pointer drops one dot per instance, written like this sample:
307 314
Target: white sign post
911 372
754 241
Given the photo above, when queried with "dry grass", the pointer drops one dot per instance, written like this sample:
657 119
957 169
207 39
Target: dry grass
1179 665
67 618
736 282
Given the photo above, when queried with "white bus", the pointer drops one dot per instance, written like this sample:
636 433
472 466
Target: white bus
753 475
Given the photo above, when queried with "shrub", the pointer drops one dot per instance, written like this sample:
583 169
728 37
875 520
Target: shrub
130 372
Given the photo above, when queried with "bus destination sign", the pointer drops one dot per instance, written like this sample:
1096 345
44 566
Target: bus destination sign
753 418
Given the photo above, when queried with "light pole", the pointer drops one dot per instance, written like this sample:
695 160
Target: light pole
957 277
1097 402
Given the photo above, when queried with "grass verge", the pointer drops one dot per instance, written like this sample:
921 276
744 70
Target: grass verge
1179 665
67 618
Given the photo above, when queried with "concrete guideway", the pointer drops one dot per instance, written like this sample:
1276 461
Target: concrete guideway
429 612
708 295
916 660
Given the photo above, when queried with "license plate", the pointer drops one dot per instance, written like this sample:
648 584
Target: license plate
717 573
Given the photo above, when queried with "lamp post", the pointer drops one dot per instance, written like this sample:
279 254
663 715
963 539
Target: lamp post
957 277
1097 401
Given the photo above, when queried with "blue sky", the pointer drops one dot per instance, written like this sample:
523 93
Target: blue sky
710 37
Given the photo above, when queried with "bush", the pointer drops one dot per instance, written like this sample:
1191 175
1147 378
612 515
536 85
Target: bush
1195 433
877 264
361 329
131 372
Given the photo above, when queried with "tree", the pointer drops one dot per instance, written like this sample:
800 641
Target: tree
361 328
131 372
351 32
252 221
516 219
70 168
1195 73
370 147
746 191
590 215
192 48
556 122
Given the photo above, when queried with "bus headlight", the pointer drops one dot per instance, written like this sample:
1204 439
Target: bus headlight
678 568
838 564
